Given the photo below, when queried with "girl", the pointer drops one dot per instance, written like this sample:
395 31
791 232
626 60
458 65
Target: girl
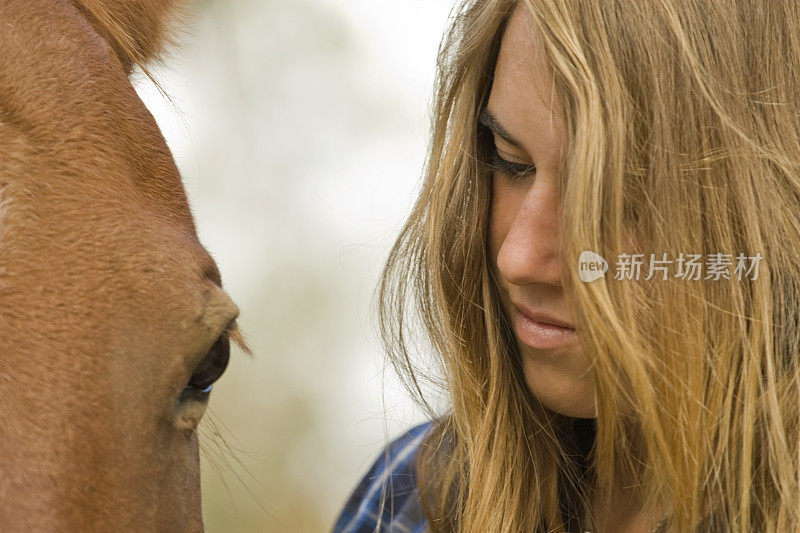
604 256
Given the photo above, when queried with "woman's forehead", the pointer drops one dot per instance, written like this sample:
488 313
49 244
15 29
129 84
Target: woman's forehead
522 96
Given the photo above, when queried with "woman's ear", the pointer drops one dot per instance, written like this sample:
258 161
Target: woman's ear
137 30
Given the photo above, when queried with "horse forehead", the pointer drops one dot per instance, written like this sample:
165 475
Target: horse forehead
70 115
83 155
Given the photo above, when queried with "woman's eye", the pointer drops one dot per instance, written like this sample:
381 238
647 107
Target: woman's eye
212 366
509 168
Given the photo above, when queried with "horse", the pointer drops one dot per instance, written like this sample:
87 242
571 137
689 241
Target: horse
113 321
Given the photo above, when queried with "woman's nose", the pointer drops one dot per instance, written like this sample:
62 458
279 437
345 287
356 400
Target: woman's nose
530 251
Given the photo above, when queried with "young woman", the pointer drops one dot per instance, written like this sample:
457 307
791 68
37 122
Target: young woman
605 256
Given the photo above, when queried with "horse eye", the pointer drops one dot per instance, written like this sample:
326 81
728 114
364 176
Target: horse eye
212 366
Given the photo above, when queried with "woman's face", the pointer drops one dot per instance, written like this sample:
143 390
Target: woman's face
523 226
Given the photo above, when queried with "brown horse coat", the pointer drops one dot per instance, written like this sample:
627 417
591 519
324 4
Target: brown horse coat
108 301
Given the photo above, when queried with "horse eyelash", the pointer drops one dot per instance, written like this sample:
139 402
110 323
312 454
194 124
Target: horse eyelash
234 333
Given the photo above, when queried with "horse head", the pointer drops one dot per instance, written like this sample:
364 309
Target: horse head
113 320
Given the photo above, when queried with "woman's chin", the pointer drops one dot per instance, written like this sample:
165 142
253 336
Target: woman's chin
560 389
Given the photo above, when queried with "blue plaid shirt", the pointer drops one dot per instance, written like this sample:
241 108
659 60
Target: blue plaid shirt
386 498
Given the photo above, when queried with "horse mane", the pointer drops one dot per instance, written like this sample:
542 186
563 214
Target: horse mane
137 30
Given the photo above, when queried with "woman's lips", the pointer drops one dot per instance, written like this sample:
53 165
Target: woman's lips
541 335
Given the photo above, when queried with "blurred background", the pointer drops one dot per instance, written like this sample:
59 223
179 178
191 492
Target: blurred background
300 129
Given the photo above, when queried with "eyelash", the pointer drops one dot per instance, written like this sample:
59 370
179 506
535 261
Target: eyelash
517 171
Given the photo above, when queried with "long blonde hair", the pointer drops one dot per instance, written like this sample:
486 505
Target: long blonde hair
682 131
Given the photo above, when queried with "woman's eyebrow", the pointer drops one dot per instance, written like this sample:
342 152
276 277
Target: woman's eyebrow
486 118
